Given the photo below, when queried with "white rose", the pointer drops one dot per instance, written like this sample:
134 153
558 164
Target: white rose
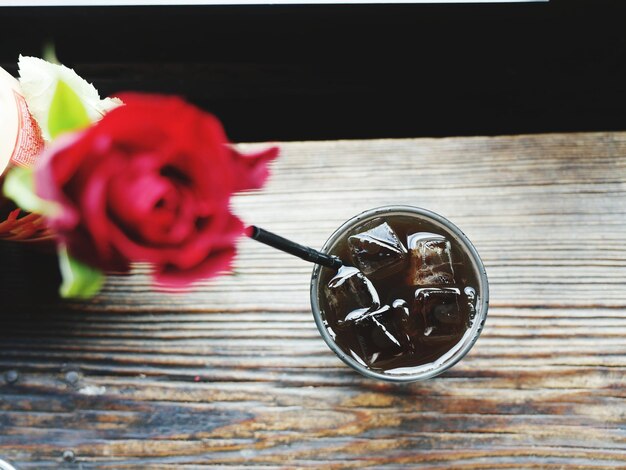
38 80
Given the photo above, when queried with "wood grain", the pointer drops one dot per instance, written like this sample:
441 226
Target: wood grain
234 373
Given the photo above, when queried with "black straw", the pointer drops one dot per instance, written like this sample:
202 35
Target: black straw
301 251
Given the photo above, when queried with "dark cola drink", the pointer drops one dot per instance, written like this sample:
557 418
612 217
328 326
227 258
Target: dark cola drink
410 293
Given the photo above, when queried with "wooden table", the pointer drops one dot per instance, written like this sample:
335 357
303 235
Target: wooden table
235 372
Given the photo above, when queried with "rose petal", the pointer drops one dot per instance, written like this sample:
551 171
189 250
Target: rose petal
93 203
252 169
150 206
221 233
80 246
56 165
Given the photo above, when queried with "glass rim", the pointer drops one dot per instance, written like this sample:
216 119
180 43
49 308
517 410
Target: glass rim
4 465
471 335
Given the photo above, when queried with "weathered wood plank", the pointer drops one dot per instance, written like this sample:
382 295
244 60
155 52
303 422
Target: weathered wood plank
234 372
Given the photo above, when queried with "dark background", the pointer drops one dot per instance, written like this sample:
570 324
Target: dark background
352 71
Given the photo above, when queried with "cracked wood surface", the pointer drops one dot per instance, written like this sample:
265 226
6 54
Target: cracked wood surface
235 372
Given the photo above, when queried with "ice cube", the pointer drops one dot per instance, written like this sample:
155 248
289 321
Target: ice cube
350 294
377 251
411 321
402 316
430 260
439 308
381 335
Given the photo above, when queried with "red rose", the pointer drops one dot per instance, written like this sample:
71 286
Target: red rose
150 182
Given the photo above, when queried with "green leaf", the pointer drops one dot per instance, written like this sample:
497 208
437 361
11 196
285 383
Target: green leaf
80 281
67 112
19 186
